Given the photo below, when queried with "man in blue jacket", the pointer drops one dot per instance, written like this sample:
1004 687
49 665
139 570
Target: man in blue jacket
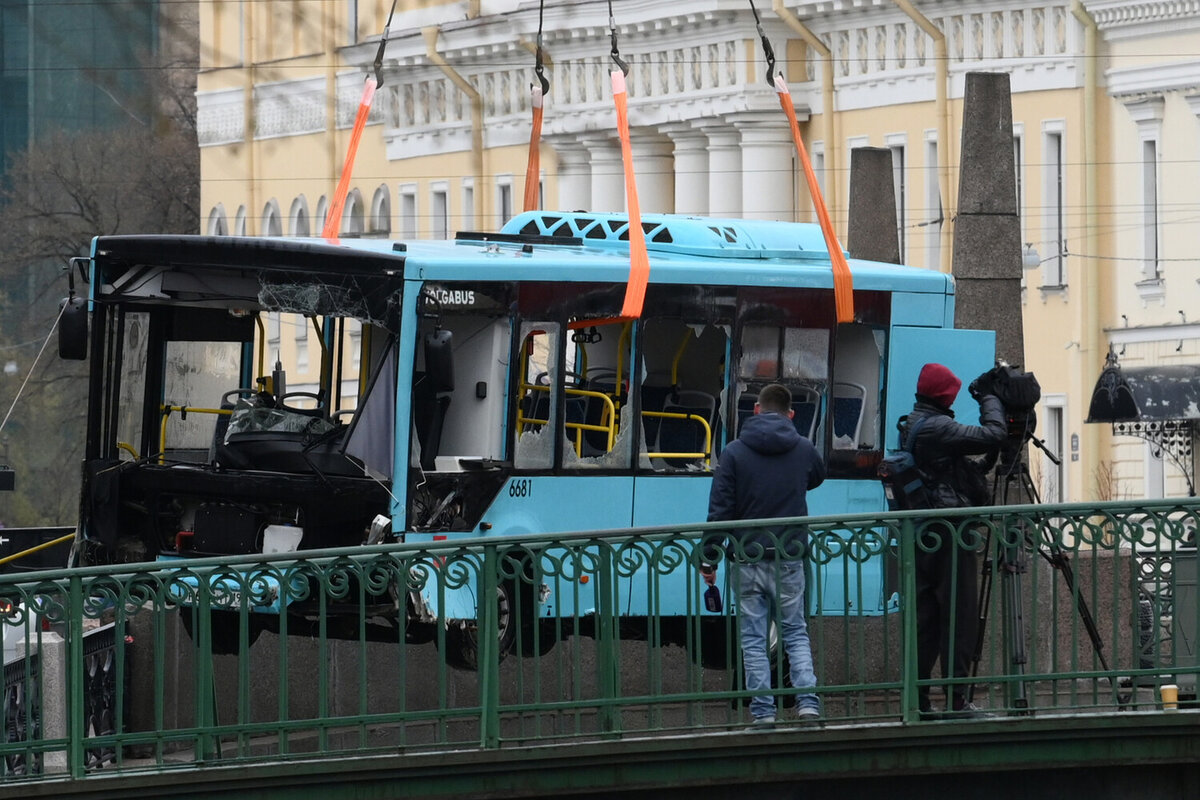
766 473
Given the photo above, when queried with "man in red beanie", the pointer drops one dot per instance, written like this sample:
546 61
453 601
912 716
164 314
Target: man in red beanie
945 555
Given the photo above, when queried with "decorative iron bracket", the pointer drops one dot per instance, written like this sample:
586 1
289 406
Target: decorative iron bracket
1170 438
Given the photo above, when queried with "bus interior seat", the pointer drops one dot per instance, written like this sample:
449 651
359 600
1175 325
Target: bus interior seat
805 403
654 398
849 402
685 435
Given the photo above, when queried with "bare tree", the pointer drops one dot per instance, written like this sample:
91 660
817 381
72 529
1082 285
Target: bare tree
140 177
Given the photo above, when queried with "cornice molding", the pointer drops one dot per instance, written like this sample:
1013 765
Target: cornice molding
1153 79
1129 18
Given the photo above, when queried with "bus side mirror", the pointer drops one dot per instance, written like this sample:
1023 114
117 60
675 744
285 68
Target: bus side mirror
73 329
439 360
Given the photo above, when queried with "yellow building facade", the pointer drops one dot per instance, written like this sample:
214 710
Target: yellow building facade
1106 123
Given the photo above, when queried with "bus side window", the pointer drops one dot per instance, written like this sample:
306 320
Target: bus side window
596 428
682 390
855 400
535 407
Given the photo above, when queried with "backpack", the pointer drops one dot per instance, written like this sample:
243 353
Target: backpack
904 484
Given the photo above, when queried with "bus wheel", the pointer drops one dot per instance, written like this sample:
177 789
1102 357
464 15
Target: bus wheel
224 627
462 640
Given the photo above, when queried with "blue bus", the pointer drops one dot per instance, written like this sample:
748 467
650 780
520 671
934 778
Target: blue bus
483 386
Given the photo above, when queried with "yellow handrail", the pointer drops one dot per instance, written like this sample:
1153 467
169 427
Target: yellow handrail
166 414
128 448
706 455
36 548
609 413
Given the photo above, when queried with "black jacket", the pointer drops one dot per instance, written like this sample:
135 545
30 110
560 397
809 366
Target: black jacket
942 445
765 473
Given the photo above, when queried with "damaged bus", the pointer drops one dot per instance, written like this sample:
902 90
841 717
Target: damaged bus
480 387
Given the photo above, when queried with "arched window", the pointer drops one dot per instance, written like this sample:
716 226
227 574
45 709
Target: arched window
381 212
272 224
218 223
322 213
298 217
352 214
239 222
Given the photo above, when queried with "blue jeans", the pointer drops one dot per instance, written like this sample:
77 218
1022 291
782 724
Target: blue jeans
759 587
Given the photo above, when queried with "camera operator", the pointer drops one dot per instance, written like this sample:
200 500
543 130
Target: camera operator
945 558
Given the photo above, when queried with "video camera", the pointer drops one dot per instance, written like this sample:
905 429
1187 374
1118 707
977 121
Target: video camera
1018 392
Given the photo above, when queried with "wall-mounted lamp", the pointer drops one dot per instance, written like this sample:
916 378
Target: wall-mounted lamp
1030 259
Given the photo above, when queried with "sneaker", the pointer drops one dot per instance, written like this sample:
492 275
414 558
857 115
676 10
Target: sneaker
763 722
808 715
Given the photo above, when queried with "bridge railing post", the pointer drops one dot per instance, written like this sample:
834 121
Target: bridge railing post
489 649
75 671
908 610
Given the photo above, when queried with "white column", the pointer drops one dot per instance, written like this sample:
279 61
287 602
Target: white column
574 176
768 187
691 169
607 174
654 170
724 171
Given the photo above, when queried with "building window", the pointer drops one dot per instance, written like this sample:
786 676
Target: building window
468 205
1054 475
301 332
272 223
504 198
1054 231
381 212
322 213
408 211
933 205
298 217
1156 480
353 222
897 144
1150 208
818 165
440 212
218 225
1019 170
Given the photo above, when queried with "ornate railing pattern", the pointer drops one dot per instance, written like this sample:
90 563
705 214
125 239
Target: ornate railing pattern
556 653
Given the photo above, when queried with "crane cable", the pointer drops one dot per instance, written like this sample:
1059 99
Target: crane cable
334 221
843 281
533 172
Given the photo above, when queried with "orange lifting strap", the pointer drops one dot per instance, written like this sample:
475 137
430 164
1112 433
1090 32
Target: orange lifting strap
639 261
334 221
843 281
533 172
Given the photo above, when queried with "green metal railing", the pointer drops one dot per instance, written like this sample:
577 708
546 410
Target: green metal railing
361 664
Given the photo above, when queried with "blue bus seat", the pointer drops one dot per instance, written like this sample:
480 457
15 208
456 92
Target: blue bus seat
849 400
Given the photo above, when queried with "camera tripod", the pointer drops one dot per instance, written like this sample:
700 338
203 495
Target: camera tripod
1012 485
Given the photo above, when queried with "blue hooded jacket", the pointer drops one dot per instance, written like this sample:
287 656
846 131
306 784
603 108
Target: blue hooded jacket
765 473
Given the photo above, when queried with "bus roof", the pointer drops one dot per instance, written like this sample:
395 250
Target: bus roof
538 246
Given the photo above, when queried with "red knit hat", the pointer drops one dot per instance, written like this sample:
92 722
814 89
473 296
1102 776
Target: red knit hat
939 384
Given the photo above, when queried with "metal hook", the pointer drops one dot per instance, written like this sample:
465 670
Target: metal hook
767 49
615 52
540 69
378 65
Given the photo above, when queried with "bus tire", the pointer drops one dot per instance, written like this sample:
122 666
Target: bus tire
461 649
